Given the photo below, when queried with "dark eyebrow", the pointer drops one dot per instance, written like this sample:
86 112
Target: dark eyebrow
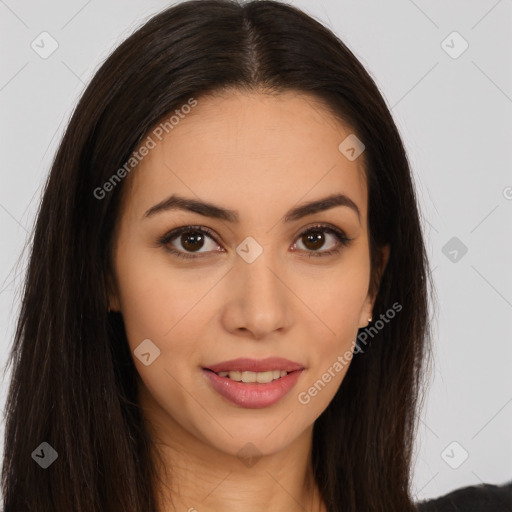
176 202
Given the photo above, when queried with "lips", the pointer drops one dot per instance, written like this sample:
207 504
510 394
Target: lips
255 365
252 395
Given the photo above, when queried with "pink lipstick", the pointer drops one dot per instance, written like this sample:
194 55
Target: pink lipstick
266 381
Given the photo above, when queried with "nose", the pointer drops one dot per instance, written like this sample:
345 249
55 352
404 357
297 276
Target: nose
258 300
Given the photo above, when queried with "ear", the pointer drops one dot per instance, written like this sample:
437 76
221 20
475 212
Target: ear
367 310
113 296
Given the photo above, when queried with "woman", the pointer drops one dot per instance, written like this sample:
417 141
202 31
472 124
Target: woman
229 210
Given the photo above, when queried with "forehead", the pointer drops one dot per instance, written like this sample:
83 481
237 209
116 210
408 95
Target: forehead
251 152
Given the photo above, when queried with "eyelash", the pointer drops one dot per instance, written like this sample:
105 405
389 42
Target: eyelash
340 236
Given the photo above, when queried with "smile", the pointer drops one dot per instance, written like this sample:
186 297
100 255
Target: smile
261 377
252 390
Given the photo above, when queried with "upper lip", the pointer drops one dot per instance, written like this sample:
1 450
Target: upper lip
255 365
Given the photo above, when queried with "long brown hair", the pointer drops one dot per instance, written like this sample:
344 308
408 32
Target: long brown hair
73 379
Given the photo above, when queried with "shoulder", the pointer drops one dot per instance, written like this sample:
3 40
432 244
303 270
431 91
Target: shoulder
478 498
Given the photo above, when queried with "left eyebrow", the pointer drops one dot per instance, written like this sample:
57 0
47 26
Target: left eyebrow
176 202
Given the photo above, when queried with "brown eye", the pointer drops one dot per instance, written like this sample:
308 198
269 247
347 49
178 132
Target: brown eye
192 240
187 240
316 237
313 240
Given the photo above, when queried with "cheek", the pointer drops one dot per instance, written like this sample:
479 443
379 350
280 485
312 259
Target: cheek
159 302
333 331
335 297
335 300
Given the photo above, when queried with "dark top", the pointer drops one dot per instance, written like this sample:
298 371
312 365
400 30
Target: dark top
477 498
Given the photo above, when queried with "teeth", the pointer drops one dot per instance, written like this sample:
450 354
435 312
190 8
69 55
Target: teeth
261 377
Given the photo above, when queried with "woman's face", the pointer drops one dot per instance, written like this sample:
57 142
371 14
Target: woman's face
263 282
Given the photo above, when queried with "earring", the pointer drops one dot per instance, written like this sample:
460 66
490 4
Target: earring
370 319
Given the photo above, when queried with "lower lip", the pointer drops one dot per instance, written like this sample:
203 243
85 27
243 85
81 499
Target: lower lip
253 395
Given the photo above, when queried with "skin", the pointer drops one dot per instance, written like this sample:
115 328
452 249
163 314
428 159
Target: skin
261 155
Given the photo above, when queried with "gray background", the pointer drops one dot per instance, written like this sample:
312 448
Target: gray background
454 115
